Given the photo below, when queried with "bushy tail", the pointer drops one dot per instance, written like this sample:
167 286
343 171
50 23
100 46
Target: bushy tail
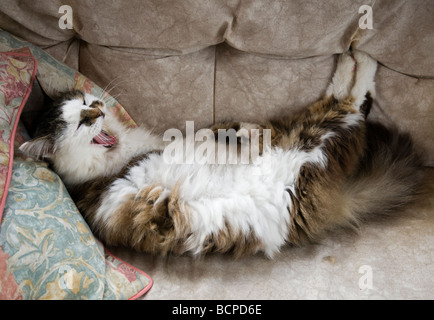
391 174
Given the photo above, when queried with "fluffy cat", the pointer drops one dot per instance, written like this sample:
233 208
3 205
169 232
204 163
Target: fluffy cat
327 168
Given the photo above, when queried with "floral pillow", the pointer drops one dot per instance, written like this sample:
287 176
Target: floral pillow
17 73
47 251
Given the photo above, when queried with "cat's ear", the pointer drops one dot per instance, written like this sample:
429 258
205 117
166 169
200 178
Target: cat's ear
42 147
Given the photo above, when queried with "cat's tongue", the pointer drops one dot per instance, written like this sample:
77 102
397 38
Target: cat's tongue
104 139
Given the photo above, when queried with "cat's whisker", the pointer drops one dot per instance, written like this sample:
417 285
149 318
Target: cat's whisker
105 89
116 85
114 98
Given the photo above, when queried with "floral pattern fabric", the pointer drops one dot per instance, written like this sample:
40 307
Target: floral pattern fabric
17 73
50 250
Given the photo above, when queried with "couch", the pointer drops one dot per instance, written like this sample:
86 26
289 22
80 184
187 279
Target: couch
168 62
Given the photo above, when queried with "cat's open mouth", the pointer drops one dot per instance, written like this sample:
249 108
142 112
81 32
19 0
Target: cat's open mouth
104 139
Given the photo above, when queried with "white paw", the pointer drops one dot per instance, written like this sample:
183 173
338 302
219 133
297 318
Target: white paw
366 69
365 61
343 78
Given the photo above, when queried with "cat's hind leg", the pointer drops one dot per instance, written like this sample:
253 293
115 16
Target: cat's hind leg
364 84
343 77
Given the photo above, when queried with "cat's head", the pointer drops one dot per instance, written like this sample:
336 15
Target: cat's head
72 131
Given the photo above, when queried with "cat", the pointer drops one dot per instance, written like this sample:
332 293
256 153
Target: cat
328 167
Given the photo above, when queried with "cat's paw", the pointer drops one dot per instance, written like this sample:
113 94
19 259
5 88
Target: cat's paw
343 78
365 74
365 62
366 69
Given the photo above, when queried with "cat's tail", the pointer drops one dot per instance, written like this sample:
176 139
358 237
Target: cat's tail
391 175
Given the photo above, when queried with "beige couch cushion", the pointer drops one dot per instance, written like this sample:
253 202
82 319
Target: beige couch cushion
254 88
161 91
